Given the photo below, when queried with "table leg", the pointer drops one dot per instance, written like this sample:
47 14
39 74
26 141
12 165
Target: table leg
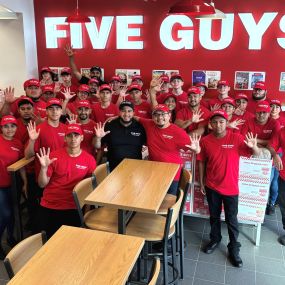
16 208
122 222
258 232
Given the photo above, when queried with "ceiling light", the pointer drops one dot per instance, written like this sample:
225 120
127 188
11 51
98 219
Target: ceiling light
218 14
77 17
7 14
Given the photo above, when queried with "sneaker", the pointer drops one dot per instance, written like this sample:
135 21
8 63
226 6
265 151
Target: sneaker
270 209
282 239
211 246
235 260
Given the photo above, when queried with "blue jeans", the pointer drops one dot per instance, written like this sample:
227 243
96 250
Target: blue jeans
273 190
6 212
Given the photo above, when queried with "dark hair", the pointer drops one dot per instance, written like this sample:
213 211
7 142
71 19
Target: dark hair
24 102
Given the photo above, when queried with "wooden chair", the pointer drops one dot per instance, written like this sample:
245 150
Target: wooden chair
102 219
22 253
154 271
169 200
154 228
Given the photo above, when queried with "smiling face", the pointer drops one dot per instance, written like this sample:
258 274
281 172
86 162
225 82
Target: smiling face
275 110
241 104
223 90
126 114
161 119
66 78
83 113
9 131
228 108
194 99
176 83
170 103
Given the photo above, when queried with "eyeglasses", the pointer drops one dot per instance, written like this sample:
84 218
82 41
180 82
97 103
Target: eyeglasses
160 114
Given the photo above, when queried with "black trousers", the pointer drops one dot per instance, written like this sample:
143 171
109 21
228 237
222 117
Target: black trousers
51 220
215 201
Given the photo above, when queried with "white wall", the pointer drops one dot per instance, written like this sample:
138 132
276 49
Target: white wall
18 54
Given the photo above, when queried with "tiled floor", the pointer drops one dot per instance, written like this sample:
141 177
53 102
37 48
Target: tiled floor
263 265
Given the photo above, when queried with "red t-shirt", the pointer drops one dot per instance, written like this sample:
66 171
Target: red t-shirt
64 174
281 121
22 132
143 110
50 137
251 105
212 102
186 114
102 114
164 144
245 116
10 152
264 132
88 133
93 100
115 97
222 161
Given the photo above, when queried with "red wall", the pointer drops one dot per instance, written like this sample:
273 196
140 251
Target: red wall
237 57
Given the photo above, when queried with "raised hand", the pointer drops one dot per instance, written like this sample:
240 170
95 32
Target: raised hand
234 124
277 162
156 84
69 51
123 92
251 140
197 116
215 107
67 94
99 130
195 143
56 87
9 94
72 119
32 131
44 159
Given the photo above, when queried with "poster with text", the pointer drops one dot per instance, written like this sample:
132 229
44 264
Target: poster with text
212 78
245 80
127 74
198 76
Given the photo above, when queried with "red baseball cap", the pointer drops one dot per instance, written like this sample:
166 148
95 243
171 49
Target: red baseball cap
46 69
262 106
223 82
260 85
229 100
194 89
8 120
134 87
241 96
65 70
93 80
164 78
160 107
83 103
47 88
175 76
201 84
26 99
136 77
105 87
220 113
31 82
84 88
116 78
170 96
275 102
53 101
73 128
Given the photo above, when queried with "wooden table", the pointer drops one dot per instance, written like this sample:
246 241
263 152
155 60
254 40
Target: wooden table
134 185
82 256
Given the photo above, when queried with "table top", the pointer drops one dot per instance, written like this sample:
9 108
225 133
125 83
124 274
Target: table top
81 256
135 185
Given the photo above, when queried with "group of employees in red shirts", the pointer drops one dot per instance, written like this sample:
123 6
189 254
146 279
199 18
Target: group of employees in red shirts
66 127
